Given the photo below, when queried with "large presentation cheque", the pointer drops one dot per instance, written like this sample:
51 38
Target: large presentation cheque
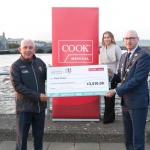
77 80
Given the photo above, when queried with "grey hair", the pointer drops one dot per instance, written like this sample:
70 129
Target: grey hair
27 40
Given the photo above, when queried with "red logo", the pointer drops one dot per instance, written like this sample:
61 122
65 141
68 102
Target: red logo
75 51
96 69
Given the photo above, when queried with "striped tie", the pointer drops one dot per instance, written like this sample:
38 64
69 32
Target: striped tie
128 58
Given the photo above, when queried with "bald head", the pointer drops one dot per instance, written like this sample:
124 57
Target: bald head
131 33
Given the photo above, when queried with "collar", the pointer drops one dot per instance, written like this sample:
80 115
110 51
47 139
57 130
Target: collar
28 61
132 52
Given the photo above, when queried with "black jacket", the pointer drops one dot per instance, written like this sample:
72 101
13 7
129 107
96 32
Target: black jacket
28 79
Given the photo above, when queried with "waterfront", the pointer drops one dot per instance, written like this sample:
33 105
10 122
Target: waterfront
7 102
8 59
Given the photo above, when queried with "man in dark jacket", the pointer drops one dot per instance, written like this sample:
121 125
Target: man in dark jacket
28 75
133 72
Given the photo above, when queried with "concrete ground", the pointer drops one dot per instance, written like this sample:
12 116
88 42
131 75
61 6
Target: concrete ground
71 135
10 145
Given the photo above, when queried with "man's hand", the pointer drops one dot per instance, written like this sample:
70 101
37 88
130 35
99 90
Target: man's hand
110 72
43 97
110 93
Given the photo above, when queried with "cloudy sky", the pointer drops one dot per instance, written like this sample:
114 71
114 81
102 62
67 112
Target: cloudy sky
32 18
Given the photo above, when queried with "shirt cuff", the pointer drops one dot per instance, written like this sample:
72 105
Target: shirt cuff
115 91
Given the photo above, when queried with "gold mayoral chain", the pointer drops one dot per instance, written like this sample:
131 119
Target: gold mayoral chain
128 65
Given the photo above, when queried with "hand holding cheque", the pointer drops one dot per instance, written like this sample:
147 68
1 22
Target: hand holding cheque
111 92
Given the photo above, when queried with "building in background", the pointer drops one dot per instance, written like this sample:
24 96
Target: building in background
14 41
10 45
3 42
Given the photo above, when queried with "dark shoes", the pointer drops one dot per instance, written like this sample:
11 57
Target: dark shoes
108 118
108 122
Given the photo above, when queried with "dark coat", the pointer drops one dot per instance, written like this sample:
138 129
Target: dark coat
134 87
28 80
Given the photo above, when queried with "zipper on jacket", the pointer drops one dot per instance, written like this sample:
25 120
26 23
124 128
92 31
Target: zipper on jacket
36 83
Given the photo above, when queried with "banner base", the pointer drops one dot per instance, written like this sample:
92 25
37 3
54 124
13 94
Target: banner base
65 119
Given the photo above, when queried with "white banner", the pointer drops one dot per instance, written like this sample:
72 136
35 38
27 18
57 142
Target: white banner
77 80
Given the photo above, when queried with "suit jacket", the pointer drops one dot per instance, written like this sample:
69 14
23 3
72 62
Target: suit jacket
134 86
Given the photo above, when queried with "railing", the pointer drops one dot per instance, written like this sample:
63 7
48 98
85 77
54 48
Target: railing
7 99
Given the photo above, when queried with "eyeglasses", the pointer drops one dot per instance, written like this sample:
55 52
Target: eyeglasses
130 39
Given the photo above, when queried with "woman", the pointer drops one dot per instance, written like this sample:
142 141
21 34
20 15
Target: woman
110 55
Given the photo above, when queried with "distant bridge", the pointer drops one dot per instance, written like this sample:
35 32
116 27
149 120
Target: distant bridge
47 49
4 51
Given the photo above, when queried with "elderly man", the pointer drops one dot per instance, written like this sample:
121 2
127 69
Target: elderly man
28 75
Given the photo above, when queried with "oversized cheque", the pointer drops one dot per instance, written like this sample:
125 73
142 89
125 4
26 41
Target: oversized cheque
77 80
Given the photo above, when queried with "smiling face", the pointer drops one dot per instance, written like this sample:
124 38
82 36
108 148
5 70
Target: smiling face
131 40
27 49
108 39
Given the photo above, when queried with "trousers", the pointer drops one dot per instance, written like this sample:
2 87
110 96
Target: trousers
134 121
109 110
23 122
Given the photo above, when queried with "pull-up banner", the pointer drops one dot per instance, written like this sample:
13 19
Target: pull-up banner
74 43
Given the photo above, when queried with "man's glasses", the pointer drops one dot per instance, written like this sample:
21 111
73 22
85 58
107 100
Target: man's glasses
129 39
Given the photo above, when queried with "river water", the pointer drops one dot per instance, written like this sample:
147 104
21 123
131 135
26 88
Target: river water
7 102
7 60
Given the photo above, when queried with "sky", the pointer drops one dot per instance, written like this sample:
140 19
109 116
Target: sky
32 18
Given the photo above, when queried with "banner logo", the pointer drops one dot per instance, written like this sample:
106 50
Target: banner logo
75 51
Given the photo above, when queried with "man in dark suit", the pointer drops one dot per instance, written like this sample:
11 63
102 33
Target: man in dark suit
133 72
